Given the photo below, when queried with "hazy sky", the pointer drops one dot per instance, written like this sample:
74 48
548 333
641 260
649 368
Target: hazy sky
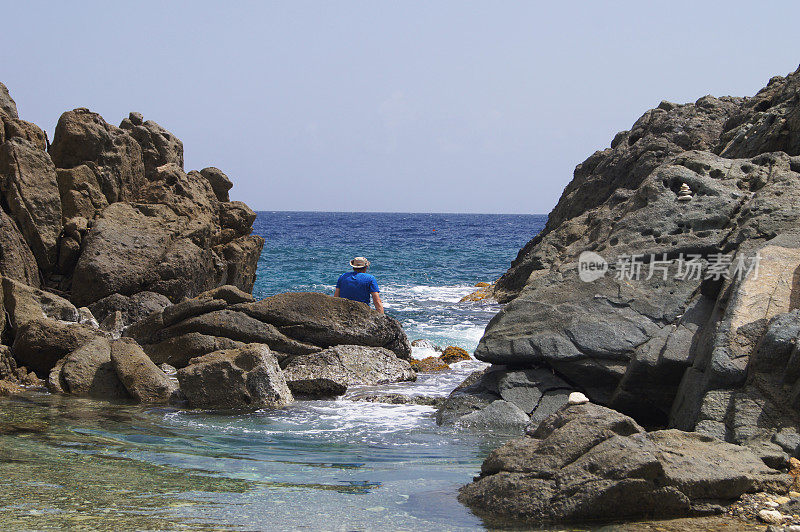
389 106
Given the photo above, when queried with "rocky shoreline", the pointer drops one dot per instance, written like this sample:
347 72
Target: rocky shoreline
127 279
116 264
664 288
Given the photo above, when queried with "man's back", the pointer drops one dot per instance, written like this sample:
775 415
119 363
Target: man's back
357 286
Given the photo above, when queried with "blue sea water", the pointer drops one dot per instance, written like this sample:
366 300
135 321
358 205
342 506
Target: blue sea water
339 464
425 263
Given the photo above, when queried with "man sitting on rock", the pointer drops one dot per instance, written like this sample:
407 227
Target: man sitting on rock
358 285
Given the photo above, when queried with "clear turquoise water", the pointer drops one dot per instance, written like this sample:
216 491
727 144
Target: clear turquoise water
316 465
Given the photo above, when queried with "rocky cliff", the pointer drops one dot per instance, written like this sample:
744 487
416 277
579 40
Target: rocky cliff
114 259
696 211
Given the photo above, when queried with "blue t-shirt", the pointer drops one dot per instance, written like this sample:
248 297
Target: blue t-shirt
357 286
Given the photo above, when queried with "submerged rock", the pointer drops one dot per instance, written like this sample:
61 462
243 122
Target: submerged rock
244 378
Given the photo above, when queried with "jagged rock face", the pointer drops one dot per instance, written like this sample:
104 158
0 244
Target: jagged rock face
767 122
589 463
30 188
16 259
159 146
7 104
83 137
610 175
81 209
654 348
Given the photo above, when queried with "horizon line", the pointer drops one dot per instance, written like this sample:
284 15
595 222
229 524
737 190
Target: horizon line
400 212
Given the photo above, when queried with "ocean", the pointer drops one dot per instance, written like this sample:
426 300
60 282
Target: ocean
315 465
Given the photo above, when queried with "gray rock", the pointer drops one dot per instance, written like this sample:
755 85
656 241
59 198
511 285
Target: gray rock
589 463
143 380
525 388
498 415
327 321
788 439
245 378
332 371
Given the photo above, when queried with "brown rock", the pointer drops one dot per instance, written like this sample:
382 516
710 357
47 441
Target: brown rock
88 371
83 137
16 259
453 354
28 183
219 182
428 365
39 344
80 192
145 382
327 321
246 378
159 146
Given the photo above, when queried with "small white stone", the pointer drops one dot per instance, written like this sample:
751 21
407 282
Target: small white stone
772 504
792 528
771 517
577 398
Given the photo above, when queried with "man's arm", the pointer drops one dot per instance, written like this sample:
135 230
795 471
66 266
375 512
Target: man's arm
336 292
376 300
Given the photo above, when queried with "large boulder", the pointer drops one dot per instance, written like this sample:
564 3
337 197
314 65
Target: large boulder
143 380
133 248
327 321
294 324
40 344
88 371
245 378
29 185
219 182
590 463
132 308
332 371
25 303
